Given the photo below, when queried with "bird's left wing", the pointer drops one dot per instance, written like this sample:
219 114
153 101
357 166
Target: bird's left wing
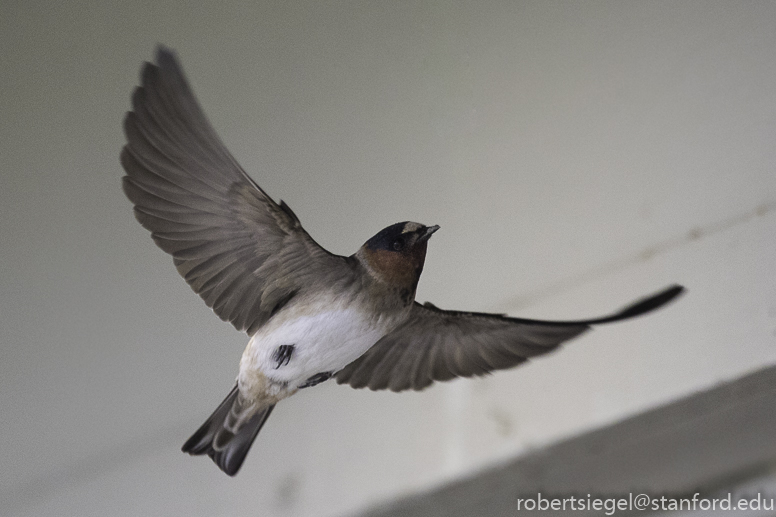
242 252
438 345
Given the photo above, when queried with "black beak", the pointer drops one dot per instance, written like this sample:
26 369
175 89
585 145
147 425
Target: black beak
427 232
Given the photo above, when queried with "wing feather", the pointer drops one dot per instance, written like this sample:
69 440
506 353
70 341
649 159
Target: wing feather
229 240
438 345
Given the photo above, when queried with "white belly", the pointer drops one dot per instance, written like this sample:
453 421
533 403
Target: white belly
324 342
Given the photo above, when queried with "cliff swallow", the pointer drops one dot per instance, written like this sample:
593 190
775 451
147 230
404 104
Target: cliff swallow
311 315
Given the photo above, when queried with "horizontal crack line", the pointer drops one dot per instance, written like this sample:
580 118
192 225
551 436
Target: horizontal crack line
695 234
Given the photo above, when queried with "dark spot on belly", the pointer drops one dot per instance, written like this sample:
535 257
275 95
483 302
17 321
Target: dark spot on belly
316 379
283 355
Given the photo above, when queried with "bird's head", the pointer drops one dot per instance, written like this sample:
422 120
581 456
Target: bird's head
397 253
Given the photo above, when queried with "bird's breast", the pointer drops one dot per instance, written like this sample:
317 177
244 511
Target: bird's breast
302 345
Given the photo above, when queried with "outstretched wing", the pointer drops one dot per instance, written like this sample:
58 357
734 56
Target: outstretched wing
244 254
438 345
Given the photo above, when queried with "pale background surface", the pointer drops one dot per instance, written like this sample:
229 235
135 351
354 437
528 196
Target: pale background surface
577 156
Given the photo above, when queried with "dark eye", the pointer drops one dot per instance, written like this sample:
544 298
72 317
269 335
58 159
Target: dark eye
398 244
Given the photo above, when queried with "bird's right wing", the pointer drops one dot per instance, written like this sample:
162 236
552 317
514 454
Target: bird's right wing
243 253
438 345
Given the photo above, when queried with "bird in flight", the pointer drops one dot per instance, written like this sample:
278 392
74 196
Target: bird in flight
311 315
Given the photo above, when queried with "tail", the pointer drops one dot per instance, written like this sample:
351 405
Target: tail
229 433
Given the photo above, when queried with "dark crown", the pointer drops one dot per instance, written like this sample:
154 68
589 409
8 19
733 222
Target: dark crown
392 238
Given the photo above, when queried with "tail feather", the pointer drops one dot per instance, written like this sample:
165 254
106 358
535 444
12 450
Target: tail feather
227 444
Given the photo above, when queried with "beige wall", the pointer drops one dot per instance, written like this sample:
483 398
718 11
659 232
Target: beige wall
577 155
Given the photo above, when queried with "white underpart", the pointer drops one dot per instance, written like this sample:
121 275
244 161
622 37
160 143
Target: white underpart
323 342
